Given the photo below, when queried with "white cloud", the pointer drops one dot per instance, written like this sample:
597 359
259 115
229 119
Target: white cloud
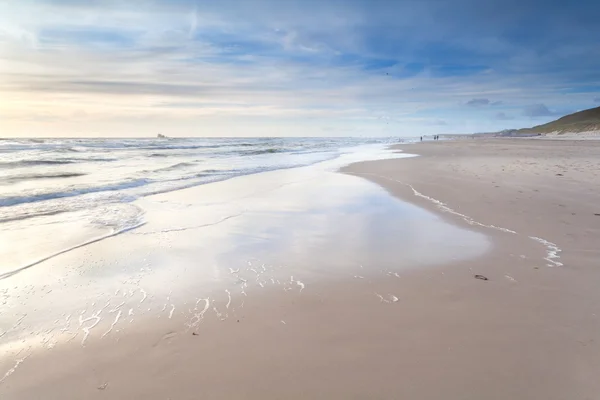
181 63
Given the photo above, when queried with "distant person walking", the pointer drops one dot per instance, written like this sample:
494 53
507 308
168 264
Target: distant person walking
421 138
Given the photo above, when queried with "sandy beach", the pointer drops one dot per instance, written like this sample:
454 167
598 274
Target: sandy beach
310 283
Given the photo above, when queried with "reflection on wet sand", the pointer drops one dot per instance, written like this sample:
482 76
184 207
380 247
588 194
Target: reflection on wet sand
205 250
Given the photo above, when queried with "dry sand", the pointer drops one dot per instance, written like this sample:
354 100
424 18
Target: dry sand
529 332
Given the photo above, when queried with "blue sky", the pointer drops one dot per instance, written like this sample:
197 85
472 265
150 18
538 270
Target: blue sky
293 68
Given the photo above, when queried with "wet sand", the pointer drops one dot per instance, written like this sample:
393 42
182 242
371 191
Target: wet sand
395 313
546 190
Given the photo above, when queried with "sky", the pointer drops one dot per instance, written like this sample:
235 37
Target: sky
293 67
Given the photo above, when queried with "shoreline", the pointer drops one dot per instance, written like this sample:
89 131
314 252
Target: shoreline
451 171
22 259
419 332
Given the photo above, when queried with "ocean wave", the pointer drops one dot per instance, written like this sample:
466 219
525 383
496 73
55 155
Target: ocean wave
27 177
34 198
74 149
175 167
170 147
15 217
242 152
264 151
60 161
136 172
31 163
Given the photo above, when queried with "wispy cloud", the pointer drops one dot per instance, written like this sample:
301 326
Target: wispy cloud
221 66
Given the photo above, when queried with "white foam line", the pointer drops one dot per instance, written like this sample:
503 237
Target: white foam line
234 271
171 312
58 253
299 283
381 298
392 298
130 313
228 299
67 324
552 248
113 324
143 293
219 315
86 330
442 206
117 307
552 252
14 368
199 316
359 277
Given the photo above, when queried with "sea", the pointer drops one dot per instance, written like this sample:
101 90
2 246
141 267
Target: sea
96 180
